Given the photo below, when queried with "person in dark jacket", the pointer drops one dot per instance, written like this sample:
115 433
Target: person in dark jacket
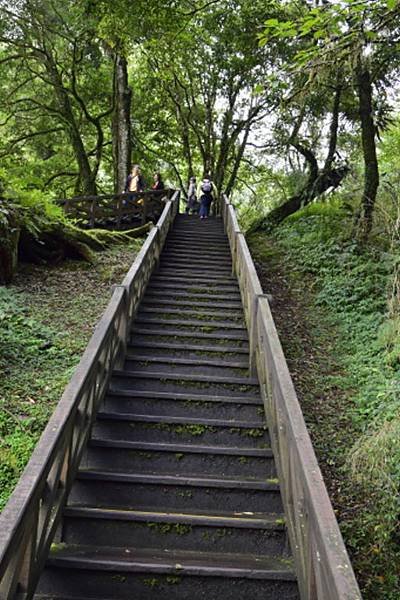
158 182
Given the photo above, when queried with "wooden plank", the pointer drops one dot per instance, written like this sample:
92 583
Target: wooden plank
95 210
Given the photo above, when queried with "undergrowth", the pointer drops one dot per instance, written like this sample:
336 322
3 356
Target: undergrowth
46 319
351 293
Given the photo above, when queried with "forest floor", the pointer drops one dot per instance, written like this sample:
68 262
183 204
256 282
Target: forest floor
328 303
46 319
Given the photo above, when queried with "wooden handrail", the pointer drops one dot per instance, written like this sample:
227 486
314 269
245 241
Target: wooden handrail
322 564
169 192
143 206
29 521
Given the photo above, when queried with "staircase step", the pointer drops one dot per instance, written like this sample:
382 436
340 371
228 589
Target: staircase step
200 323
171 366
183 407
212 253
190 362
180 531
181 251
193 297
198 236
183 459
187 397
183 347
174 492
174 258
184 383
203 278
195 236
201 286
199 267
174 420
170 299
180 430
155 574
159 301
193 333
194 311
219 338
231 381
199 255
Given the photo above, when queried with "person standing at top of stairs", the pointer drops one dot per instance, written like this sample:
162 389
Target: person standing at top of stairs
206 192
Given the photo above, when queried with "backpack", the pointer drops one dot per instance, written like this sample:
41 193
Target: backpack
206 186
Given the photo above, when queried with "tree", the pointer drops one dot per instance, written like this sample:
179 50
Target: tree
62 79
359 39
207 78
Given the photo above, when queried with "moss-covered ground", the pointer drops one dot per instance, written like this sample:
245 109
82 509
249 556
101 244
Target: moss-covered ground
335 312
46 319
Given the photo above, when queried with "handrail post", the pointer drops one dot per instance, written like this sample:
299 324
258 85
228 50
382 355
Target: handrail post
123 328
253 332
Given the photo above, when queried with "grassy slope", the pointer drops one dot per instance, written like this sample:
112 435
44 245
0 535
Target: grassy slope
46 319
330 305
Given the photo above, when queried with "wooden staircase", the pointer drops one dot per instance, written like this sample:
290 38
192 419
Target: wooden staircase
177 496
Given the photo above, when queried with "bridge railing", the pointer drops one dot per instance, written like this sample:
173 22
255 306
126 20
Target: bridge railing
116 209
322 565
28 523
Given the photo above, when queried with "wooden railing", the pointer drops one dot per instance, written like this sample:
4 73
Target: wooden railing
322 565
28 524
116 210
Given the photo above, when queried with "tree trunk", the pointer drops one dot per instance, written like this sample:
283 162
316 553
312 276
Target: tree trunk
121 126
238 160
319 180
8 253
86 179
312 190
371 169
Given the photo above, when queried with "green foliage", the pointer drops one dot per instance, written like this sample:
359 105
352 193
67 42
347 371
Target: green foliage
351 287
46 319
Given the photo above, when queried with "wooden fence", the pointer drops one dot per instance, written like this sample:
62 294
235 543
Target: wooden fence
29 522
322 565
116 210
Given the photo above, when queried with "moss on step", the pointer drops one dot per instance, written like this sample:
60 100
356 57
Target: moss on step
166 528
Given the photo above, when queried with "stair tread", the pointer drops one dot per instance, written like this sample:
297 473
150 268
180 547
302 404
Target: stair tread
163 302
182 396
243 520
172 561
180 480
214 280
232 288
181 294
173 360
189 334
168 309
191 323
188 347
183 448
168 419
221 257
251 381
